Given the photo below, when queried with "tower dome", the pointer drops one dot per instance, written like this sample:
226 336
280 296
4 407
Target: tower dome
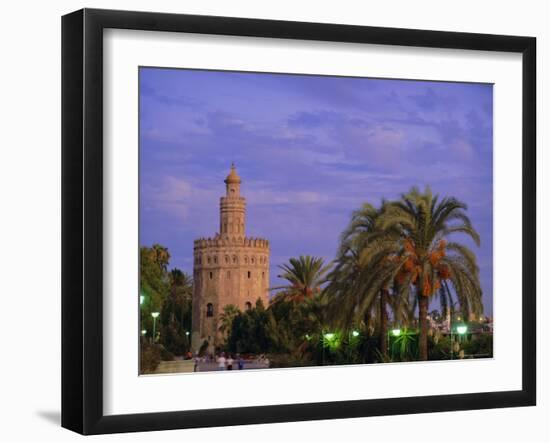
233 178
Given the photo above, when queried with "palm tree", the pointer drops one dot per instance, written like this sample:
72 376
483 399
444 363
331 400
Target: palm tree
359 288
305 275
161 256
226 318
179 300
427 260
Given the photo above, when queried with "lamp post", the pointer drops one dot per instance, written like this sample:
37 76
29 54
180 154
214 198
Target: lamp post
328 336
353 334
154 315
461 329
396 332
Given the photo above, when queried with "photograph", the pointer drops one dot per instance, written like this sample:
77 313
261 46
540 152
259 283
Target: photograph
305 220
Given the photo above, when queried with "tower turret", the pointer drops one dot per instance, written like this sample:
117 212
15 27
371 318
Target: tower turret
232 207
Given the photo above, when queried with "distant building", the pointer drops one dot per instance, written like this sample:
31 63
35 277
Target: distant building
229 268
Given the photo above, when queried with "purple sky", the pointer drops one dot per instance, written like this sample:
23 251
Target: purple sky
309 150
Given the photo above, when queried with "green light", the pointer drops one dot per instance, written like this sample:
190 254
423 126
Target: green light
308 337
329 335
155 314
141 299
143 331
355 333
461 329
396 332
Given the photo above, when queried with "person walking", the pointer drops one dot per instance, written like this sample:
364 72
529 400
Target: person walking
229 363
221 362
240 362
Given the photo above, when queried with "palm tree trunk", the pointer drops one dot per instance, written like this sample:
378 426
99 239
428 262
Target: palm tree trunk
423 321
383 323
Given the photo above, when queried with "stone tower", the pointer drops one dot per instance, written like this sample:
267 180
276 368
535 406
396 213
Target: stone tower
229 268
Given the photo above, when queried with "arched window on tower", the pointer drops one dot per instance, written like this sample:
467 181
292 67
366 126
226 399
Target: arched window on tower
249 274
234 259
209 310
248 306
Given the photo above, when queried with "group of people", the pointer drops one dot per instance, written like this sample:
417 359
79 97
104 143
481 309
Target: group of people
226 363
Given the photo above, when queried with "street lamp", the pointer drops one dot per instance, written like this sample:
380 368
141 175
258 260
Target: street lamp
143 331
154 315
327 342
396 332
461 330
141 299
355 333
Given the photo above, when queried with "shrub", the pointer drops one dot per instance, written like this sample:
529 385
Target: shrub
165 354
149 357
288 361
479 345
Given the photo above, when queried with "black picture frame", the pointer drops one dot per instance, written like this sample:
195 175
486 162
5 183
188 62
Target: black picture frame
82 218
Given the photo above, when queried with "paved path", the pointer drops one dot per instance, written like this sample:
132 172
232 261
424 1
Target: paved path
175 366
178 366
249 364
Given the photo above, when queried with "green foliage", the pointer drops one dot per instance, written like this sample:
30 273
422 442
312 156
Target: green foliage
249 331
171 294
404 347
478 345
305 275
226 318
439 347
175 319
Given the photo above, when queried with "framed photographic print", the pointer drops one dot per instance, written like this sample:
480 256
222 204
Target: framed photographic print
269 221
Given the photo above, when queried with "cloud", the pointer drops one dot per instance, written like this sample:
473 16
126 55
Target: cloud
310 150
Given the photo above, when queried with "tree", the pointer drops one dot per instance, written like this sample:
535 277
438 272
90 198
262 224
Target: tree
176 312
226 318
305 276
154 282
360 283
427 259
249 331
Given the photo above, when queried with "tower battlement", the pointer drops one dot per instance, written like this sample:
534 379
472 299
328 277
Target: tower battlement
222 241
